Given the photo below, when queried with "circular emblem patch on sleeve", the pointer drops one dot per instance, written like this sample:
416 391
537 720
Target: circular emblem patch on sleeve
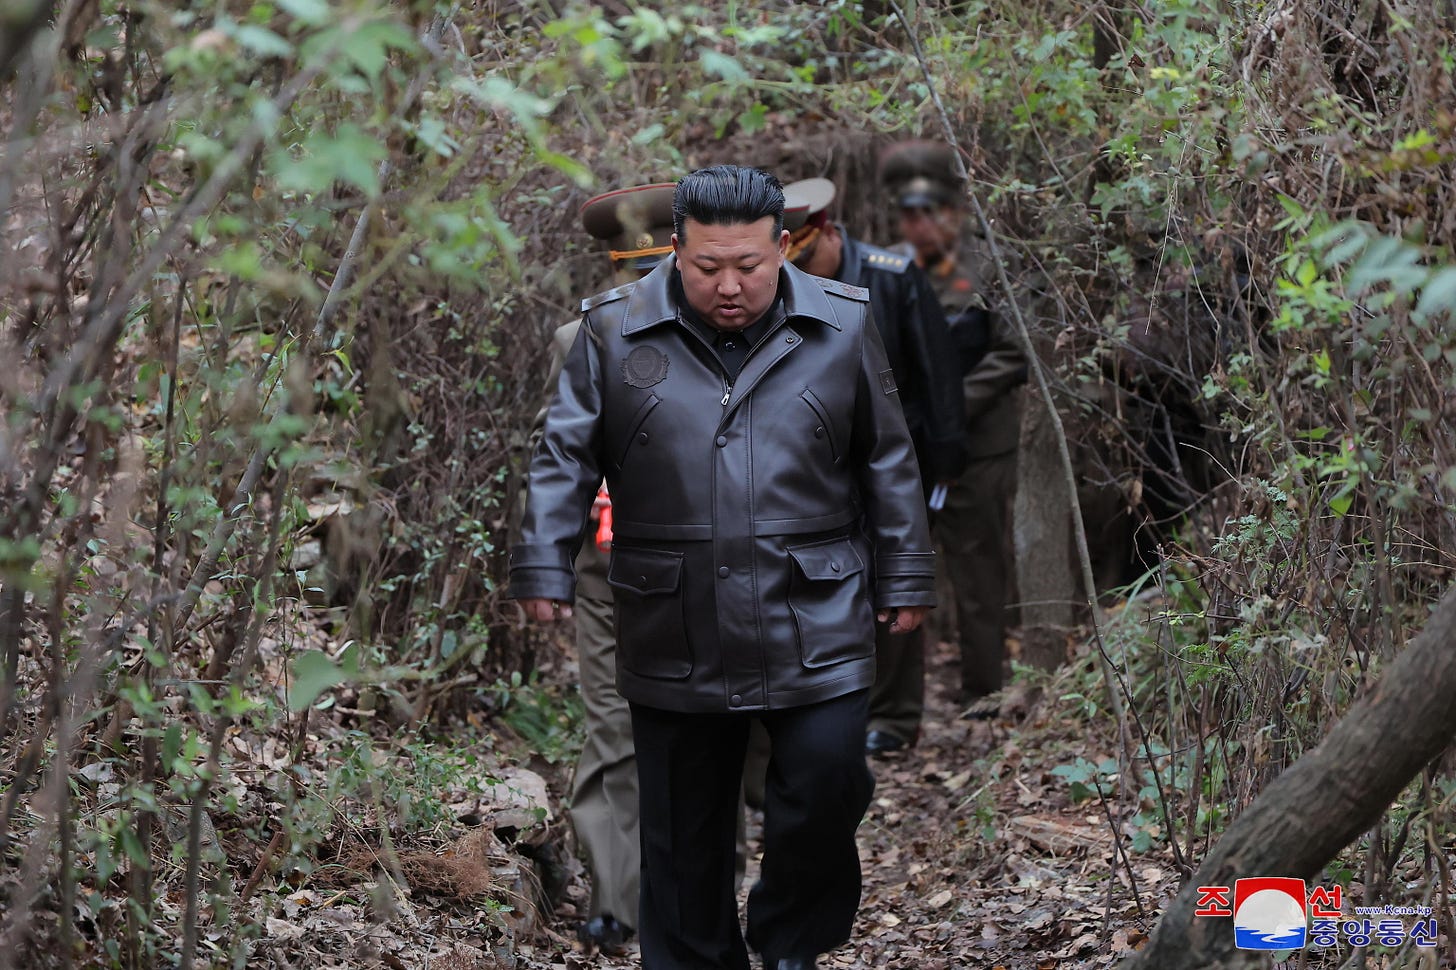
644 366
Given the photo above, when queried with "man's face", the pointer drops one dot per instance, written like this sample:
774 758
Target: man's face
932 232
730 273
824 254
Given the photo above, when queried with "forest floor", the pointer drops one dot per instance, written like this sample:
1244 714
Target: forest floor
988 846
974 854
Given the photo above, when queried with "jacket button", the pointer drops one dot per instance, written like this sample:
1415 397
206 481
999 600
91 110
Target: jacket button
723 571
834 566
642 580
736 699
788 340
642 438
722 441
819 431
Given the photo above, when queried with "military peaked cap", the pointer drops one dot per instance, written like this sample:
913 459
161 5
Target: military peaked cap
806 205
921 174
805 199
636 223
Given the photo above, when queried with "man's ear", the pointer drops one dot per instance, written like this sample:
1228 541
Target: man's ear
676 246
783 244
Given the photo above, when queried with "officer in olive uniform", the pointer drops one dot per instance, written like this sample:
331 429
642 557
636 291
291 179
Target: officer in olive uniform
636 224
918 344
971 528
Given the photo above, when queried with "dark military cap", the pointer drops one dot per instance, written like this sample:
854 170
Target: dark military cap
806 209
921 174
636 223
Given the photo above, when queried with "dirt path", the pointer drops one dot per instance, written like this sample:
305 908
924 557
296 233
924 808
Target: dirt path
974 856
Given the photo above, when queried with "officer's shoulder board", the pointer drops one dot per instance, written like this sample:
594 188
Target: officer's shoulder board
846 290
877 258
607 296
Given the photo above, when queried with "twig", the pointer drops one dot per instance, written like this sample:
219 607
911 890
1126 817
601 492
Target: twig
265 862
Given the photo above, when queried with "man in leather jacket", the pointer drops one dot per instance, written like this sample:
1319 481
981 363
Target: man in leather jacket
917 342
767 511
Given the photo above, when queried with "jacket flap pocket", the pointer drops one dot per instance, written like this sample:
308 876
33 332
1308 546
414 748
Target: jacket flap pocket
828 560
638 416
647 572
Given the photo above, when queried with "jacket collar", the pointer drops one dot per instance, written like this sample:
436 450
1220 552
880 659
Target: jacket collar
651 303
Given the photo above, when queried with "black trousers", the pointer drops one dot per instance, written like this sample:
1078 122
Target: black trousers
689 769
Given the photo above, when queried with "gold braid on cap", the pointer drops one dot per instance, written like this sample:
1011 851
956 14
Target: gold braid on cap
801 239
621 254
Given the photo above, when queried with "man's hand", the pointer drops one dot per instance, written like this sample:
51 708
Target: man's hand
903 619
545 611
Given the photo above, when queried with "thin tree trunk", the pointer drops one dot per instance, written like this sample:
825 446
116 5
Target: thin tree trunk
1325 800
1044 553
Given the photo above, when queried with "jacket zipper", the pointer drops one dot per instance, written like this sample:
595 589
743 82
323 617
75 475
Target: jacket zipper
727 390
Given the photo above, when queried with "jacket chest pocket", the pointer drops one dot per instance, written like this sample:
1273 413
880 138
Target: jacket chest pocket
635 433
651 628
823 425
829 597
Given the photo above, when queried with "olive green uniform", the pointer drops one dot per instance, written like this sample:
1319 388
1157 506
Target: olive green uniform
971 528
604 811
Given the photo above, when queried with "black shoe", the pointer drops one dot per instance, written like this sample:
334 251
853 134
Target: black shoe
604 933
876 743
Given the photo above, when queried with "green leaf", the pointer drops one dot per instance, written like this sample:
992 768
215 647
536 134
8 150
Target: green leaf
497 92
132 848
431 132
1291 208
752 120
721 65
349 155
242 260
1438 294
648 135
171 745
1387 260
311 12
262 41
1342 243
368 47
313 673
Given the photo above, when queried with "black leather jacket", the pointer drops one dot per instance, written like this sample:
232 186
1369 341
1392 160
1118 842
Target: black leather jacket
918 344
757 526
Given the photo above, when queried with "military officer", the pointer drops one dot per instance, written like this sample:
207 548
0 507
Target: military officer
917 341
971 528
636 226
767 513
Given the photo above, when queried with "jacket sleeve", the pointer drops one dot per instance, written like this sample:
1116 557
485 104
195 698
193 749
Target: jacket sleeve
1003 368
889 483
561 343
938 379
564 477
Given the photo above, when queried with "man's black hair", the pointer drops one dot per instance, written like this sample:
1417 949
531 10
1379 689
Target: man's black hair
726 195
